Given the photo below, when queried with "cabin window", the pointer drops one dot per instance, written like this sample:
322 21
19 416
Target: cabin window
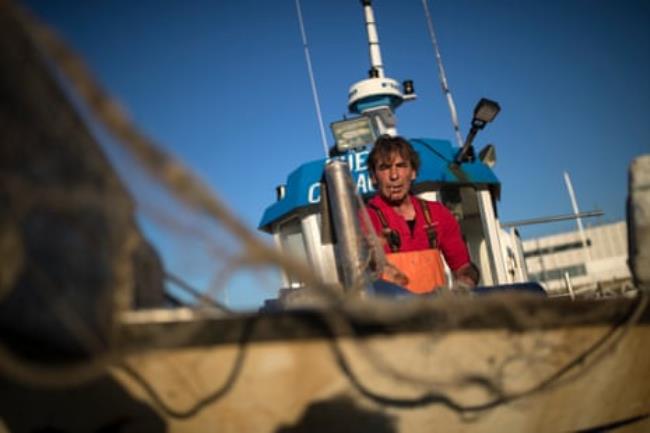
450 197
558 273
556 248
463 202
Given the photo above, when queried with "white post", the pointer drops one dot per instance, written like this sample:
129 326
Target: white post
278 243
522 271
321 257
491 229
569 286
576 212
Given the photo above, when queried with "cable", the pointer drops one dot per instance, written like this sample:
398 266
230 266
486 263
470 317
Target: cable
217 394
615 425
312 80
443 75
441 398
591 354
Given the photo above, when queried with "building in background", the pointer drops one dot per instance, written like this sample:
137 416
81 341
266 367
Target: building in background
565 266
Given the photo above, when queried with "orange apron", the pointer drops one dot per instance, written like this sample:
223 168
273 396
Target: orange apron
423 269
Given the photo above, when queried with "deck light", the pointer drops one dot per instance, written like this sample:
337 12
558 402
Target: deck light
484 112
353 133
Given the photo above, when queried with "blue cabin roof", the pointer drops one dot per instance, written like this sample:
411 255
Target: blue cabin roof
303 184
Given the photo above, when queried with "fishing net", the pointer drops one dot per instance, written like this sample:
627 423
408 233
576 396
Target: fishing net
196 231
98 220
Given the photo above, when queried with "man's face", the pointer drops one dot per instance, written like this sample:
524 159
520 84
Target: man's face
393 178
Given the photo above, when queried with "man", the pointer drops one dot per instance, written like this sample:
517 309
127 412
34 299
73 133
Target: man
408 224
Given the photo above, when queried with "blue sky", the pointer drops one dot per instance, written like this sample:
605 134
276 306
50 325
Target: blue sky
224 86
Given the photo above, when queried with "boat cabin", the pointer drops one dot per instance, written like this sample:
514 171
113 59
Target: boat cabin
449 174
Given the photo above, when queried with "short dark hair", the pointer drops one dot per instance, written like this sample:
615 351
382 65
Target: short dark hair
386 145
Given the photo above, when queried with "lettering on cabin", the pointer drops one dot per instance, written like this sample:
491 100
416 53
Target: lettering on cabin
358 164
313 193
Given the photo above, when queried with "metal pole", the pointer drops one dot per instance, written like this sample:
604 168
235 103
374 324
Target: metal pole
552 219
345 217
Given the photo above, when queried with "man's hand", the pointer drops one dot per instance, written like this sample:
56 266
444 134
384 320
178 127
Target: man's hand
394 275
466 277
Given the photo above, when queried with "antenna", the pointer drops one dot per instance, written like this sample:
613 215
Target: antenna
312 80
377 97
443 76
376 66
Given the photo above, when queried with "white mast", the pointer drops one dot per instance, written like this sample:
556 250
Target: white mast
373 41
377 97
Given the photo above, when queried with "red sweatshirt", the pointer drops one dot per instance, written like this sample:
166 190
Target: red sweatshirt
449 237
